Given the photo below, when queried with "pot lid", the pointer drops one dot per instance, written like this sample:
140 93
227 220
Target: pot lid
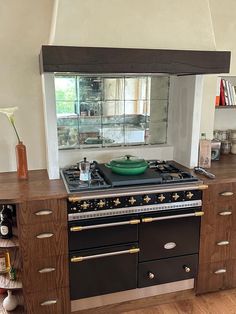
128 161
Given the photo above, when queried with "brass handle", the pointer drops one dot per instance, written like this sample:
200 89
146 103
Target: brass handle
151 275
151 219
46 270
43 212
220 271
49 302
221 243
187 269
44 235
77 259
225 213
112 224
227 193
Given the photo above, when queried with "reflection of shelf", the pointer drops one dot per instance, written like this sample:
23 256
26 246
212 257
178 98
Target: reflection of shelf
225 107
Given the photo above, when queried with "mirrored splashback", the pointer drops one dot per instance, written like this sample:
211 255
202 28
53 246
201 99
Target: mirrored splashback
111 110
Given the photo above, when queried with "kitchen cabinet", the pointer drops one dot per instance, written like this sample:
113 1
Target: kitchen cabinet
217 267
43 245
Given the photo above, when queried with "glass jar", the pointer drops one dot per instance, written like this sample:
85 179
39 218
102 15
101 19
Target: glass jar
225 147
233 134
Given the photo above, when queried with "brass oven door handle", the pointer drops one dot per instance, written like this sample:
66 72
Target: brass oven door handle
225 213
46 270
112 224
76 259
150 219
227 193
49 302
44 235
43 212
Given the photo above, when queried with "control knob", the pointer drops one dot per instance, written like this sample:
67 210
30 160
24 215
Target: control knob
189 195
117 202
132 200
101 204
147 199
175 196
85 205
161 198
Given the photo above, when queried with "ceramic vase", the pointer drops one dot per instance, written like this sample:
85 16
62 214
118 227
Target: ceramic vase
21 161
10 302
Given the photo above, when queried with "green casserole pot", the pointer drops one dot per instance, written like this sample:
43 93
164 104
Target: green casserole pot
128 165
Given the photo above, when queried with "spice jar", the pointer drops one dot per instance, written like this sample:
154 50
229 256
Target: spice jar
225 147
233 146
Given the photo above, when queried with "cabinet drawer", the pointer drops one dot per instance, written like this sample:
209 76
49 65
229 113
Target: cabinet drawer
215 246
45 273
42 211
219 192
213 276
48 302
167 270
40 240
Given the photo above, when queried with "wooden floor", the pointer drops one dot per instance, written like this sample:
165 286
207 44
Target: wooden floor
185 302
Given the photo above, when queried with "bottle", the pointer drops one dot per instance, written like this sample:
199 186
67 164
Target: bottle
7 210
204 157
5 226
84 167
5 263
10 302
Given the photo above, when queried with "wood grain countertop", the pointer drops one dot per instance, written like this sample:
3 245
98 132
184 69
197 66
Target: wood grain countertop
39 187
36 187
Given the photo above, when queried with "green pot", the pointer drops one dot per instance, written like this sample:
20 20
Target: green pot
128 165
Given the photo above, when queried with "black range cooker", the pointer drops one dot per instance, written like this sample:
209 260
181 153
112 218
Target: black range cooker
128 232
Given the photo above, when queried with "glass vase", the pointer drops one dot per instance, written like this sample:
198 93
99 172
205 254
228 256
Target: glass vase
21 161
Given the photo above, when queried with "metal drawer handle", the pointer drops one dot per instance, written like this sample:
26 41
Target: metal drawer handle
46 270
227 193
170 245
43 212
221 243
44 235
187 269
112 224
151 275
220 271
150 219
49 302
76 259
225 213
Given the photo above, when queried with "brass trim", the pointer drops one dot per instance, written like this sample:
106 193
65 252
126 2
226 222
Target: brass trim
49 302
73 199
77 228
150 219
227 193
76 259
135 250
199 214
134 221
43 212
44 235
202 187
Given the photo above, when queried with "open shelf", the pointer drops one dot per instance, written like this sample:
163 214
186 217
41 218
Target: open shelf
6 283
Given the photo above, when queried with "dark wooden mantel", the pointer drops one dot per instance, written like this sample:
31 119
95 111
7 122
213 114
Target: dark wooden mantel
132 60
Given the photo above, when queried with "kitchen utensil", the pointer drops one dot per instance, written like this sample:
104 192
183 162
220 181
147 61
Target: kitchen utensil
128 165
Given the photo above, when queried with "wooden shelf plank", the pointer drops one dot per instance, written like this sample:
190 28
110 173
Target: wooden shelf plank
9 243
225 107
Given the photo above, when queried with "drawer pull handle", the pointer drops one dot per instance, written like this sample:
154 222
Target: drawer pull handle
170 245
112 224
49 302
150 219
43 212
187 269
228 193
221 243
220 271
46 270
151 275
44 235
77 259
225 213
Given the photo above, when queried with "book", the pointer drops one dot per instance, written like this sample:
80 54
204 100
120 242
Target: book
225 92
222 94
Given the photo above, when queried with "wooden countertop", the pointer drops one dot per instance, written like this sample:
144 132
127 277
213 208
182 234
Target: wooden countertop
38 186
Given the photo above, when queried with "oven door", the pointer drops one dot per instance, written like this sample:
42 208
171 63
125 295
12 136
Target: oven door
92 233
104 270
169 234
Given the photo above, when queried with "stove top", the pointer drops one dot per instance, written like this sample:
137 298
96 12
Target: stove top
158 172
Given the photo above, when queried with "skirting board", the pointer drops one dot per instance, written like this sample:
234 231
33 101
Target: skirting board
129 295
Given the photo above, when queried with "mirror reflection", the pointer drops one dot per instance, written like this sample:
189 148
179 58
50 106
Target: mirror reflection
101 111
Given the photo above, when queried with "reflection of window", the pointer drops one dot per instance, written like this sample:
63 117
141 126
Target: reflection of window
98 111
